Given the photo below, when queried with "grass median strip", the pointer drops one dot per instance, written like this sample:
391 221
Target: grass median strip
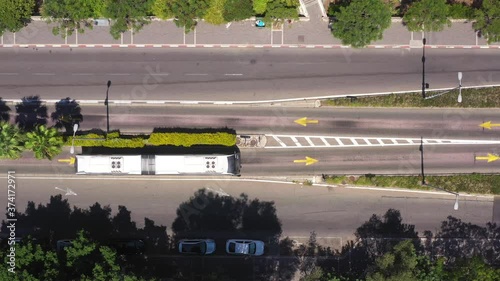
472 98
469 183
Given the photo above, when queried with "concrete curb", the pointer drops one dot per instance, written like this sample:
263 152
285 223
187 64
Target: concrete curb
291 46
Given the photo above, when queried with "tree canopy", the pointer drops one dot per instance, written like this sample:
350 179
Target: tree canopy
11 139
44 142
71 15
362 22
15 14
280 10
128 15
186 12
427 16
236 10
488 20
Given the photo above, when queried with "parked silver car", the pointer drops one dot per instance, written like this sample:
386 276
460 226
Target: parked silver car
245 247
197 246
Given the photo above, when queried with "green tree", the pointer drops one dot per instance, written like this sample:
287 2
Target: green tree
488 20
15 14
279 10
427 16
362 22
44 142
474 269
32 263
215 13
260 6
70 15
10 141
398 264
236 10
127 15
186 12
160 9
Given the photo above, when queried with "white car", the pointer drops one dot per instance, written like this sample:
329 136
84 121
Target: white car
197 246
245 247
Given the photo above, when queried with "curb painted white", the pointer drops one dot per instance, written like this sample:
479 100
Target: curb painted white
327 46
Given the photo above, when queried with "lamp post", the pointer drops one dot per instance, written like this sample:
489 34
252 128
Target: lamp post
459 99
459 87
106 103
72 149
422 159
455 206
424 85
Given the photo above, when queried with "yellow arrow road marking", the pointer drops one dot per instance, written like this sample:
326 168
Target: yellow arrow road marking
490 157
70 161
308 161
488 125
304 121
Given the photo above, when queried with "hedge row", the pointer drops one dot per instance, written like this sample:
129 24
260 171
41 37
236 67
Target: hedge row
470 183
187 140
115 140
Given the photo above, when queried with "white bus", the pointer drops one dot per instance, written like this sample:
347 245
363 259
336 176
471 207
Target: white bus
159 164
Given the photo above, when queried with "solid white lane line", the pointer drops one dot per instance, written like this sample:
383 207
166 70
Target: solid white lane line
279 141
309 141
9 73
297 143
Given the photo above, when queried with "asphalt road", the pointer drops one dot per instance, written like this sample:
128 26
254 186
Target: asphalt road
333 212
375 122
233 74
277 161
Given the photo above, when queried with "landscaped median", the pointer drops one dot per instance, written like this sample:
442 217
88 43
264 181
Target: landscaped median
185 139
471 98
468 183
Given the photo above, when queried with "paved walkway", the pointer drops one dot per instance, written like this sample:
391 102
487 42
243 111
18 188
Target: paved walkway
306 33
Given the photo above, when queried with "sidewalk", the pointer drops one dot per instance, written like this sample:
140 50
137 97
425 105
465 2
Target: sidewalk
311 33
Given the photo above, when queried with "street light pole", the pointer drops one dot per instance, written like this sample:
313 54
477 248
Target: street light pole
422 159
72 149
106 103
445 92
424 85
459 87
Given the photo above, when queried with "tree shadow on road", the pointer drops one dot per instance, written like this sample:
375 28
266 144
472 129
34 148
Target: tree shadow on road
210 215
67 113
4 111
31 113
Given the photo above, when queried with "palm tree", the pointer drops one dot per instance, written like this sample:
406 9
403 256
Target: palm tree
10 141
44 142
